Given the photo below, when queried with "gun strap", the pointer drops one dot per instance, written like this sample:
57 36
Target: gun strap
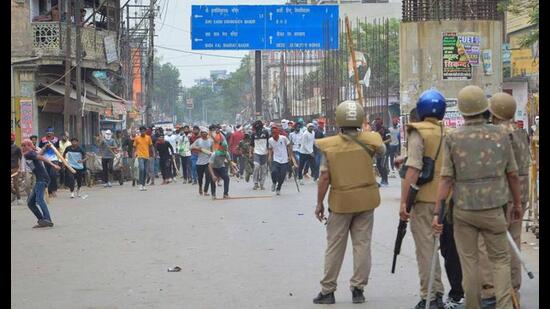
353 138
440 142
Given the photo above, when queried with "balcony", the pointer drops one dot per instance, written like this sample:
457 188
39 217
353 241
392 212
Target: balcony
49 42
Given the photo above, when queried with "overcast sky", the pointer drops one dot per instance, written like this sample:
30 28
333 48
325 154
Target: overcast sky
176 15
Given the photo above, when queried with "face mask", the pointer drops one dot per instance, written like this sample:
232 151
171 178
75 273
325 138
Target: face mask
108 137
537 122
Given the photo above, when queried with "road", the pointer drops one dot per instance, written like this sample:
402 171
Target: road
112 250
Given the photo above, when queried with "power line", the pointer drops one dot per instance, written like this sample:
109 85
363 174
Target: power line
197 53
203 65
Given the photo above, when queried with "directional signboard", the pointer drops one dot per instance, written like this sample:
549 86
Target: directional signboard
264 27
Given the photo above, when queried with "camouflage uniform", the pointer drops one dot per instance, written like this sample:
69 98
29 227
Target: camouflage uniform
520 145
478 157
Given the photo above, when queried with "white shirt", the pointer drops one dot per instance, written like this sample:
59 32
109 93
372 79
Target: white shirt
173 140
295 139
308 139
280 152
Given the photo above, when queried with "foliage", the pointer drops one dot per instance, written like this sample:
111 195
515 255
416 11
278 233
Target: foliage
224 99
517 7
166 86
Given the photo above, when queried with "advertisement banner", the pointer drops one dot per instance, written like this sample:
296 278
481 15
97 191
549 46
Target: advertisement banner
25 106
453 118
456 65
487 57
471 42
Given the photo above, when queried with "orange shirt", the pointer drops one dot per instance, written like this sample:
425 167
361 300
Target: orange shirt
141 145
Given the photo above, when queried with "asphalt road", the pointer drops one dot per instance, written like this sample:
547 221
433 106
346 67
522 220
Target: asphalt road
113 249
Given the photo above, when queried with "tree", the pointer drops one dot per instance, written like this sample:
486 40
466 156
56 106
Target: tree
166 87
517 7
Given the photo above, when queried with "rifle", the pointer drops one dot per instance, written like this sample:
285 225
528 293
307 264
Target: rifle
402 228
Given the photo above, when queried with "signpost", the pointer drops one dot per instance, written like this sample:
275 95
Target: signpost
264 27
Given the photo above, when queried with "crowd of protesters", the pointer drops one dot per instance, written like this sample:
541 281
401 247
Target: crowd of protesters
198 155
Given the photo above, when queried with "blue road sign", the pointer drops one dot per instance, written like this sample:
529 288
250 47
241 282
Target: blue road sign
264 27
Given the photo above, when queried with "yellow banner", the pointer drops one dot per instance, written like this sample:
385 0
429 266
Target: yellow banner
523 63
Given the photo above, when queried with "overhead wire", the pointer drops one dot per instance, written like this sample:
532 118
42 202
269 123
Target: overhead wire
197 53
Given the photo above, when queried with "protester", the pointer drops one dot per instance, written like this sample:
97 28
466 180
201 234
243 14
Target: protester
108 148
195 134
280 152
184 151
174 140
76 157
306 151
394 149
34 161
143 149
166 153
63 144
15 167
49 154
205 147
246 164
259 148
218 169
234 141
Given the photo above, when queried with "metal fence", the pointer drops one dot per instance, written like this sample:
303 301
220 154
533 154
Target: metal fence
311 83
425 10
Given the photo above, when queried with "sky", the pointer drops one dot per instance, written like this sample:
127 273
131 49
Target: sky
173 26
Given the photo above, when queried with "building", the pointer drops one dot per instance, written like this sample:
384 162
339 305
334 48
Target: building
520 64
38 55
449 47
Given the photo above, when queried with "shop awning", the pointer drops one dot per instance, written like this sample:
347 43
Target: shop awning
88 104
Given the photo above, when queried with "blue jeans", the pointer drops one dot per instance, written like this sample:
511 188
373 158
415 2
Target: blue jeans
194 158
157 166
222 173
37 197
317 158
142 170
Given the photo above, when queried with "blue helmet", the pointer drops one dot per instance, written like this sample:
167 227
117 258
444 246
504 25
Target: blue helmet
431 104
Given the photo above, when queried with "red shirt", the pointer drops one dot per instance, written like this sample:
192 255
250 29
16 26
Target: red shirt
234 141
192 139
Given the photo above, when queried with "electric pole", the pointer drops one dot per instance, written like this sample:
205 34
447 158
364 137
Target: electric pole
150 63
78 41
67 102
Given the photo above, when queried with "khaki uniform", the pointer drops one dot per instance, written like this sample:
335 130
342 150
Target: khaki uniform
520 145
477 157
424 138
353 196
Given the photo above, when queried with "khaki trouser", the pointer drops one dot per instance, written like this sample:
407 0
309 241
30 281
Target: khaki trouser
491 225
359 226
421 228
485 264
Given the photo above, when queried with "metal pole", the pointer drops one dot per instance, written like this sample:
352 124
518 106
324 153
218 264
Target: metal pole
67 101
258 82
150 62
79 133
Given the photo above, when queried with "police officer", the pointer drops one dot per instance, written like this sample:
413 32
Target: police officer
425 139
479 166
346 167
503 108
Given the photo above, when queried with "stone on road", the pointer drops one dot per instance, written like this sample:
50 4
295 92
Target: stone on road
113 249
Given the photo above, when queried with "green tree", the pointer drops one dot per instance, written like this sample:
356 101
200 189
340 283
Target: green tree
517 7
166 86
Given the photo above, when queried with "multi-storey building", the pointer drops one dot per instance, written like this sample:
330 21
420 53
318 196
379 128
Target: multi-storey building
38 57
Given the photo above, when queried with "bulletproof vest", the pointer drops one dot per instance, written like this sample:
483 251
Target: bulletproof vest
480 153
430 130
353 186
520 144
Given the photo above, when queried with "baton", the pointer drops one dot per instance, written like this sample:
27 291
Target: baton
518 254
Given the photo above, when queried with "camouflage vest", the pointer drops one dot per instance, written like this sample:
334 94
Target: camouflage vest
353 186
430 131
520 144
479 152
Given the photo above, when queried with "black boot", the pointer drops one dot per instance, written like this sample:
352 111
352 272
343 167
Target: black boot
357 296
324 299
422 304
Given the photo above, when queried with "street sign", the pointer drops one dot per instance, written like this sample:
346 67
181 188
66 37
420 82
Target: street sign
189 103
264 27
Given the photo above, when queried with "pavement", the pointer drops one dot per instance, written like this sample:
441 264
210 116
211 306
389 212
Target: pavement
113 249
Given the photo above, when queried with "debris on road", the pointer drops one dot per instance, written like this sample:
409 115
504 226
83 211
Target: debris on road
174 269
